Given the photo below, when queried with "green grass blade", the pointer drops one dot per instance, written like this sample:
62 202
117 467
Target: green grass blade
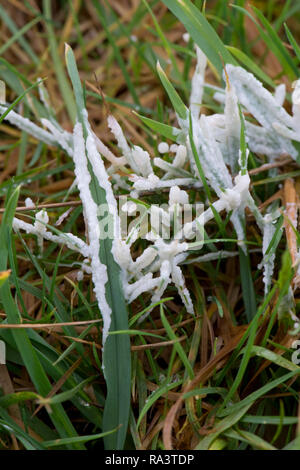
247 62
273 357
101 15
250 399
292 42
202 32
176 101
17 100
19 36
116 354
155 396
222 426
77 440
179 349
166 131
272 40
63 83
247 285
166 46
21 338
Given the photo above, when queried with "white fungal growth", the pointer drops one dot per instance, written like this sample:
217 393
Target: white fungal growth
173 148
145 259
178 196
99 270
68 239
29 202
197 84
43 94
163 147
142 160
180 157
62 137
296 106
26 125
137 158
41 219
169 270
145 284
63 216
261 104
279 94
170 169
232 127
268 259
107 153
142 184
216 138
178 279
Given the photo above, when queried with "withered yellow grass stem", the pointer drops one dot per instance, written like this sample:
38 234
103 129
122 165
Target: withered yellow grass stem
290 219
290 224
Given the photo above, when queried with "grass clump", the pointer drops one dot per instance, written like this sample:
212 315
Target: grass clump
182 332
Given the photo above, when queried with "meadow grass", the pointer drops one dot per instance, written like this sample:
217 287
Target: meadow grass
221 379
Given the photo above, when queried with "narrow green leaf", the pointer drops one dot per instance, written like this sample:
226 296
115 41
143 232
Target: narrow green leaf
222 426
116 353
177 102
166 131
272 41
250 399
154 397
77 440
21 338
19 33
17 100
247 285
63 83
250 438
179 349
293 42
202 32
273 357
247 62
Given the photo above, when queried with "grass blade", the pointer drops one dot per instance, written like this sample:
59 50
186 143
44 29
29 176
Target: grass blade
116 354
202 32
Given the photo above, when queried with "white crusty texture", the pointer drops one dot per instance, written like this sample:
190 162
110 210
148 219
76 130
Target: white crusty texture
268 260
197 84
137 158
237 196
178 196
41 219
262 105
26 125
230 200
296 106
107 153
68 239
279 94
169 269
99 270
217 142
163 147
61 137
29 202
232 127
180 157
